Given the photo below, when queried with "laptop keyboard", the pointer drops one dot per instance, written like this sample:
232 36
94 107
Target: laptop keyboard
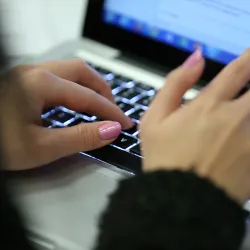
133 98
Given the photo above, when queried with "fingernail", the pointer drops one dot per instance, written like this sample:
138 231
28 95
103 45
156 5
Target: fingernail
193 59
110 130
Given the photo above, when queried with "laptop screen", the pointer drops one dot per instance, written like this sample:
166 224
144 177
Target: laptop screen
220 27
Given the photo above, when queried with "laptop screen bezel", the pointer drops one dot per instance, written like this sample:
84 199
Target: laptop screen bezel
95 28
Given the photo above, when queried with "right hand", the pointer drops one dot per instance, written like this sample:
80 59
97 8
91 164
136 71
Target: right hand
209 135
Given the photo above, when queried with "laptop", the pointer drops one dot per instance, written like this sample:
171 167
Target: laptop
133 45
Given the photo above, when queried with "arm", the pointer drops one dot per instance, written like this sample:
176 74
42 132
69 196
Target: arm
207 138
170 210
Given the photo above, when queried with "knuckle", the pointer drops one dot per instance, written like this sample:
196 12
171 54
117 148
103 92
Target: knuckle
80 64
35 75
22 68
86 135
32 79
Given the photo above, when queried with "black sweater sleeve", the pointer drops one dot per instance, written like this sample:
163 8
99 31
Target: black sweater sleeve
170 210
13 233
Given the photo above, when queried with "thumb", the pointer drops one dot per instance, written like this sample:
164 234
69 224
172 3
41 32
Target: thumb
61 142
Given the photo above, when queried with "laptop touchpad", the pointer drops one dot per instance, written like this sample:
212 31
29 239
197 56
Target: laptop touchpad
67 202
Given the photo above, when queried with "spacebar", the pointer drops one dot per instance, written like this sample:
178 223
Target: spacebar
118 158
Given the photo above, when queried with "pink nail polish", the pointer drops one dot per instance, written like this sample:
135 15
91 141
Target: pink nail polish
193 59
110 130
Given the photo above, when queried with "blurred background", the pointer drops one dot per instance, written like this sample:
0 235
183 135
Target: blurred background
33 26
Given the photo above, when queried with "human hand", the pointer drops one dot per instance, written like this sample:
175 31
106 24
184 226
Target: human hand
69 83
209 135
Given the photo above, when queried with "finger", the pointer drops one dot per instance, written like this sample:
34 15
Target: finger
177 83
54 91
76 70
231 80
58 143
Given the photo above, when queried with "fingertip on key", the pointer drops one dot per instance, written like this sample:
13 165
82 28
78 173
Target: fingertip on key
130 123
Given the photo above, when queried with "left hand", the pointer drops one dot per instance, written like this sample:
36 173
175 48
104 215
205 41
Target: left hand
71 83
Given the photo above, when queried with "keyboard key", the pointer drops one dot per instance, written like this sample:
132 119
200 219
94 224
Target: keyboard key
124 141
132 130
136 149
184 101
124 106
90 64
129 93
61 116
109 77
86 114
93 67
123 79
56 126
96 119
138 135
77 122
46 123
114 85
103 71
146 100
144 86
119 158
47 110
137 114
